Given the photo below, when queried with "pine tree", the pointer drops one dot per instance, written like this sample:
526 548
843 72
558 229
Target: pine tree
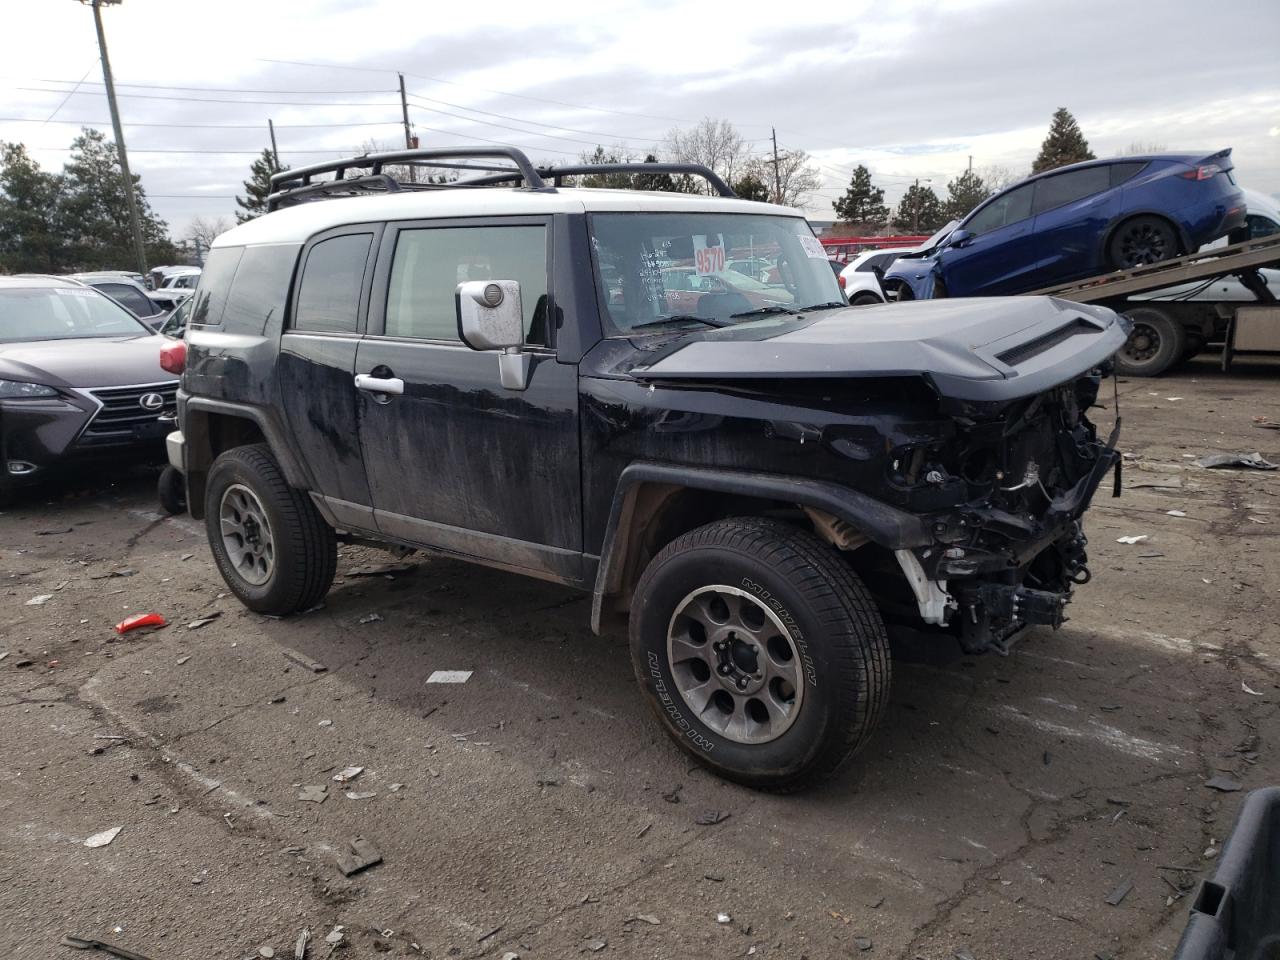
257 188
963 194
31 238
653 181
94 209
919 211
609 181
863 203
1065 143
751 187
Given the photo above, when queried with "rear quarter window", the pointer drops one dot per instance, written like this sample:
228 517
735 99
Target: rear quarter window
215 284
260 290
1120 172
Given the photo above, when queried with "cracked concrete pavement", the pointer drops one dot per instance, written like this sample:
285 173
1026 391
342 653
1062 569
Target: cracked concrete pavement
536 808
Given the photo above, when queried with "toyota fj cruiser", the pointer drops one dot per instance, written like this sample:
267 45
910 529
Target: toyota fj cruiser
763 483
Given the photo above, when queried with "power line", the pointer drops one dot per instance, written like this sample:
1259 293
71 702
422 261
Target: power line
207 126
273 103
535 123
82 79
170 86
502 126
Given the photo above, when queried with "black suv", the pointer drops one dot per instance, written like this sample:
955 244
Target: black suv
571 384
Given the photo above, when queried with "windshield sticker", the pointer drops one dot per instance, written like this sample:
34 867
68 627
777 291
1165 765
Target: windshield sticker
707 260
74 292
813 247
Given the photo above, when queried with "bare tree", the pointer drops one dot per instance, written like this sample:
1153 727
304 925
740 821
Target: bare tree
204 230
796 180
997 178
1144 147
713 143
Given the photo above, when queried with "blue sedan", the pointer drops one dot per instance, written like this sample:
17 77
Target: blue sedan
1077 222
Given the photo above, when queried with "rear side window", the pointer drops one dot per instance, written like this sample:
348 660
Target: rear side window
1003 210
1120 172
211 297
131 298
260 289
1057 191
1260 226
329 295
429 264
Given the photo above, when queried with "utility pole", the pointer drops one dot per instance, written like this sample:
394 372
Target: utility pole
971 163
408 130
135 223
777 181
275 154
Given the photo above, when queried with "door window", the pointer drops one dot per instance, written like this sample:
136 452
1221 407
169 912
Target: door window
1260 226
430 263
329 295
1003 210
1057 191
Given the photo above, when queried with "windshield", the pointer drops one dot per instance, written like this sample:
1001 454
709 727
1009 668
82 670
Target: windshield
658 268
938 237
63 313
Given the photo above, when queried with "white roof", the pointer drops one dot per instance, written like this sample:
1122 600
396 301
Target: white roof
296 224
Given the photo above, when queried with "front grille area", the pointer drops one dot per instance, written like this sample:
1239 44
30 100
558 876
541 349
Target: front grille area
122 418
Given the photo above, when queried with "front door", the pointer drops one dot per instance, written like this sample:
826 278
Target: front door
1001 254
454 460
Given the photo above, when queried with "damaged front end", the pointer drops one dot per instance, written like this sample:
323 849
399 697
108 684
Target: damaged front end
1005 491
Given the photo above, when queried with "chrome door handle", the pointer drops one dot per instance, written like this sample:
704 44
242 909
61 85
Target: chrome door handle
374 384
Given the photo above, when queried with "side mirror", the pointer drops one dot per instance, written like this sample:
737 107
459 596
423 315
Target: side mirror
491 317
959 238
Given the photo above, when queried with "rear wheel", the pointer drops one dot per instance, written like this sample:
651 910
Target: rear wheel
760 651
1142 240
864 299
271 545
171 488
1156 343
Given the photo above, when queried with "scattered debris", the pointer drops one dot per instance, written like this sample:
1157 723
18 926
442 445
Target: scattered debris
1252 461
103 838
1132 539
511 955
182 660
396 787
40 600
325 723
449 676
862 943
964 953
315 666
353 795
186 556
300 945
347 774
335 935
1119 893
24 662
709 818
361 855
52 532
266 952
595 946
313 794
673 795
1249 690
112 574
139 620
1257 520
485 936
648 918
1176 513
371 618
201 621
645 829
723 918
1223 784
386 570
84 943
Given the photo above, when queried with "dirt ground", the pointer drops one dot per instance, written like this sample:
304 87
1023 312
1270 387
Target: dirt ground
537 810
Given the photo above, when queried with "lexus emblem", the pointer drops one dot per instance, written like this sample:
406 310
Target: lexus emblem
151 401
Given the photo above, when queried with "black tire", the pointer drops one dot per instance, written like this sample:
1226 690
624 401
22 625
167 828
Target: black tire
864 299
1156 343
843 649
171 488
305 551
1142 240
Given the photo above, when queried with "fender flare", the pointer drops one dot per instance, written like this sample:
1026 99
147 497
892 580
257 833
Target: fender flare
199 455
884 525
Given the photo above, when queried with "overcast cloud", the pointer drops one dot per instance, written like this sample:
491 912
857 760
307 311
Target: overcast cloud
911 89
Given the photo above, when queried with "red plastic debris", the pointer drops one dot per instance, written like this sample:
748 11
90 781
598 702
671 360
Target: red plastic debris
141 620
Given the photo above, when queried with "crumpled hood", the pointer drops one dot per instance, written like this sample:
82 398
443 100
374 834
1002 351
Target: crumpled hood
90 362
980 348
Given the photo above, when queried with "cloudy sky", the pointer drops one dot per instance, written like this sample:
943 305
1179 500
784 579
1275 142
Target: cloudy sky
911 89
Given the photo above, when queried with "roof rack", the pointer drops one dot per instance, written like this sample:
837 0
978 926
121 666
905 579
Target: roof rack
290 187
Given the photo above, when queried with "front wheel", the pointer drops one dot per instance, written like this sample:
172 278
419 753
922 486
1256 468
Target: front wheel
271 545
760 651
864 299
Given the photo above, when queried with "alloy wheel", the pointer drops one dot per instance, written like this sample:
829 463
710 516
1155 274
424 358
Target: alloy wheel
246 534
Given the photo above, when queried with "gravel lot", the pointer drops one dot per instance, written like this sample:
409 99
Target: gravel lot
537 809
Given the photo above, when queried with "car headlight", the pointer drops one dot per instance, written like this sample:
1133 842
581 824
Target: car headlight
18 390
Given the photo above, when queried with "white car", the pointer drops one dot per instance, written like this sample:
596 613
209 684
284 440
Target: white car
860 280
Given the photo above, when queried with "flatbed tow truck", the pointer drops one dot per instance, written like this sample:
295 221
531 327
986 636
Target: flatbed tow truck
1167 331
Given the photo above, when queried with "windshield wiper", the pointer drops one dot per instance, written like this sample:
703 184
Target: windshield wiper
762 312
706 321
829 305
